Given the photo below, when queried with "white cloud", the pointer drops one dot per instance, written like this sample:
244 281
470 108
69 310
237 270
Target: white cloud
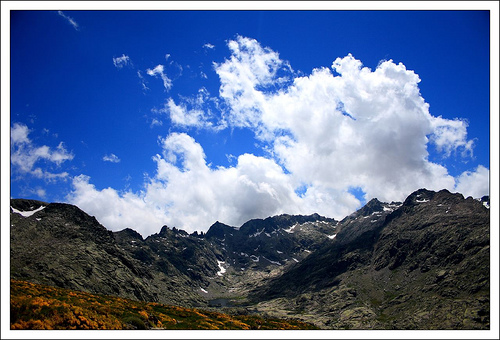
474 183
193 112
185 192
338 129
250 66
41 193
180 115
111 158
143 81
24 155
159 71
343 127
19 134
156 122
119 62
70 20
115 210
208 46
450 135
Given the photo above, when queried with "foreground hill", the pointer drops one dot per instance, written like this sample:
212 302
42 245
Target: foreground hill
35 306
420 264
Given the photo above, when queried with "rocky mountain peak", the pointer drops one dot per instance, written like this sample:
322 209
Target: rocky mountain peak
218 230
374 205
128 234
422 196
165 230
168 232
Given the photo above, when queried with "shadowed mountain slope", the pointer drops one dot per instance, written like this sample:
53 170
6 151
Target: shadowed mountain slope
424 265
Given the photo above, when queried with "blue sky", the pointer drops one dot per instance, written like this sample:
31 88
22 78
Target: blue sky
146 118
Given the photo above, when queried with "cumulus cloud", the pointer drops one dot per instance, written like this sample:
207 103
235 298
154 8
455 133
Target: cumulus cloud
119 62
326 135
116 210
185 192
25 155
70 20
111 158
159 71
344 126
250 66
474 183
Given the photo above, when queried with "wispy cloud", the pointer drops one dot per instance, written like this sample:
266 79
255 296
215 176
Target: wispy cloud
111 158
70 20
159 71
143 81
119 62
25 156
208 46
156 122
193 112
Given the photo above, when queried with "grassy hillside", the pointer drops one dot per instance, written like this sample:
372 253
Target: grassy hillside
35 306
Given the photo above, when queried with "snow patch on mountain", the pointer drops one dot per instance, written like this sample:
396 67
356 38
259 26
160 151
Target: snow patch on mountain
273 262
222 270
27 213
391 207
257 233
290 230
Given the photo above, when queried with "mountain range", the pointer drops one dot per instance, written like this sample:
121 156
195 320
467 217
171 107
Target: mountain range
419 264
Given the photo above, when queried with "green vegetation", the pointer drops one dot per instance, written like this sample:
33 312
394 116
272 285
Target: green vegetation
35 306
